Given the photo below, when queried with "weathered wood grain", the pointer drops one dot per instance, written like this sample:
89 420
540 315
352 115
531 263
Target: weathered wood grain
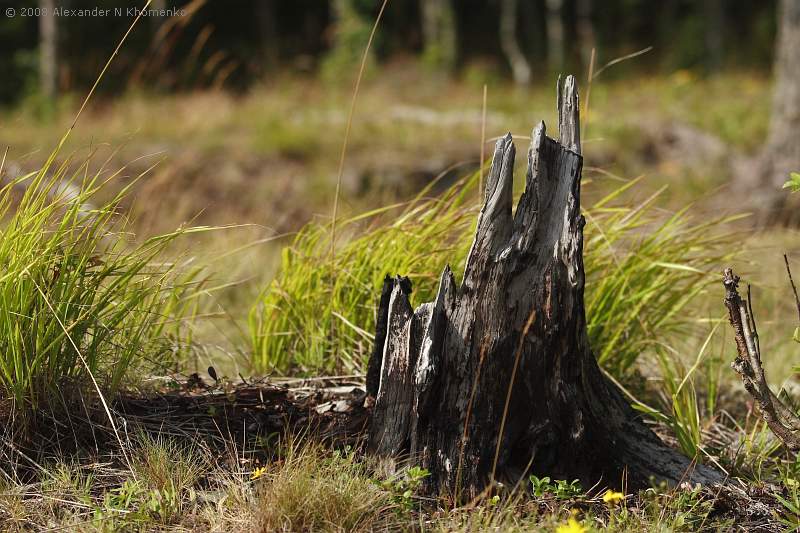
495 379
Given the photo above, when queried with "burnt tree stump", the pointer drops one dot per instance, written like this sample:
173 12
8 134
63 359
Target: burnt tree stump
495 379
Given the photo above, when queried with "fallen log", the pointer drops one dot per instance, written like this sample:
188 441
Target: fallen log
495 379
242 411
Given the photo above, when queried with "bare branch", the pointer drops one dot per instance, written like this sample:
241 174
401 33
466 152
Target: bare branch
780 419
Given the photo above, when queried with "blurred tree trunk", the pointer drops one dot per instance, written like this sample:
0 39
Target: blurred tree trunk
268 33
585 31
439 33
763 176
520 68
783 142
715 25
158 6
48 49
349 37
555 35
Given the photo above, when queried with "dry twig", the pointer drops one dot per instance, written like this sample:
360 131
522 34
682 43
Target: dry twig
780 419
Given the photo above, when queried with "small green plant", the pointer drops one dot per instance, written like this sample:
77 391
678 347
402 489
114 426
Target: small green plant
559 489
790 499
793 184
682 411
68 481
168 469
163 504
133 503
309 489
682 414
755 458
404 488
683 508
121 507
791 505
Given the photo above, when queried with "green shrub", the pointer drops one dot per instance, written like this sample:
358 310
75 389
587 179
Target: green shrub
80 305
682 411
793 183
643 269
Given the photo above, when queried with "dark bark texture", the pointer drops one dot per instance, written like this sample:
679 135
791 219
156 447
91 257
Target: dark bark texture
495 379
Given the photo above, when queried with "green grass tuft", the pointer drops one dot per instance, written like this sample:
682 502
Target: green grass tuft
80 304
318 314
643 270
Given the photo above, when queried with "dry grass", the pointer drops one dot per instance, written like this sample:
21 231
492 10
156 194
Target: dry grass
164 463
311 488
270 156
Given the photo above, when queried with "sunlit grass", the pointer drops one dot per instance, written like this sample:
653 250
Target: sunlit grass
318 313
644 269
81 304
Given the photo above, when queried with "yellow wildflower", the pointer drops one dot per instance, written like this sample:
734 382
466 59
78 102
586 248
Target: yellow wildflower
258 472
611 497
572 526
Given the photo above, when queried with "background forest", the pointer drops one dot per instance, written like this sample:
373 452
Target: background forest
236 45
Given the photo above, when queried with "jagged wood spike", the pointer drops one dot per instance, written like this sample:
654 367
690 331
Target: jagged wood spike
538 136
395 390
493 178
569 126
430 343
525 217
375 361
494 222
540 220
